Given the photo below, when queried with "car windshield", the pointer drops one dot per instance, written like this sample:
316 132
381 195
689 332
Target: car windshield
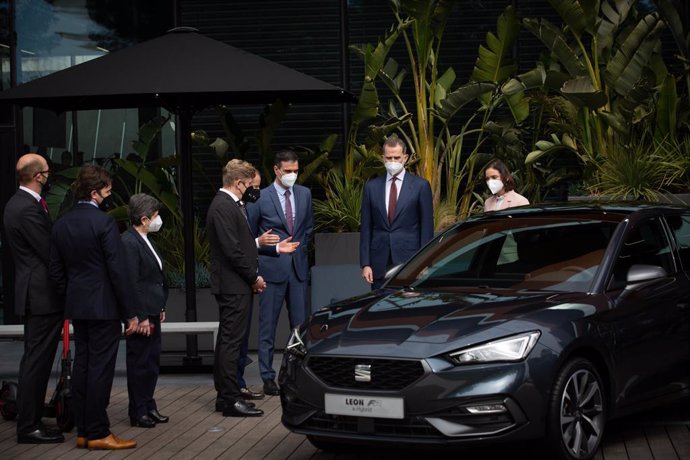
521 253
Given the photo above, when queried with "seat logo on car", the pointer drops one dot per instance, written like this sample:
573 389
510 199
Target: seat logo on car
362 372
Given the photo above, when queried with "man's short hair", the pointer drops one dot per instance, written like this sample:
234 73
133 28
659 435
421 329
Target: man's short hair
142 205
237 169
394 141
284 155
90 177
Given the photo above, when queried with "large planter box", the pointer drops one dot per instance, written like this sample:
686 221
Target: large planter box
207 310
336 275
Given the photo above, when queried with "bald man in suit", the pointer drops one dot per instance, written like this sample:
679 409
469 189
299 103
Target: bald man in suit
27 231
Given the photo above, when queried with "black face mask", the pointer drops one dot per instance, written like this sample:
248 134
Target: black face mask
251 195
106 204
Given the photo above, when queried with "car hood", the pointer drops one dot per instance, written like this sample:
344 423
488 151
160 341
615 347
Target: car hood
413 323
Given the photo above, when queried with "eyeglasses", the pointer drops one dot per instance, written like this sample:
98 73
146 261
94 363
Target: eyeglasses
47 171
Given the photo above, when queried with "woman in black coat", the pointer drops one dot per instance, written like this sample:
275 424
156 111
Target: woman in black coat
145 268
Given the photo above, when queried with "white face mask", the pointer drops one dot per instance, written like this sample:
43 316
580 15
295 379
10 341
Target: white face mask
156 224
289 179
393 167
495 185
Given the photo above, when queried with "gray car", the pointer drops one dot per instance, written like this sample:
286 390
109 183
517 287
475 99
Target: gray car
520 324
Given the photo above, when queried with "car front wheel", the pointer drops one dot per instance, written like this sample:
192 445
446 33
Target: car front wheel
577 412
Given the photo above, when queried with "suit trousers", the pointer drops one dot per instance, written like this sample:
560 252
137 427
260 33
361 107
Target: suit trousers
143 367
233 311
244 350
41 337
294 293
96 343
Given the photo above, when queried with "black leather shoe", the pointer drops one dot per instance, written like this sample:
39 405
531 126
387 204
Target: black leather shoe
143 421
220 405
157 417
40 436
241 409
246 393
270 388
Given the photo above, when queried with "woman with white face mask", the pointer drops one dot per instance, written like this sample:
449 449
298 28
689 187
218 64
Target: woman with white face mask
501 185
145 268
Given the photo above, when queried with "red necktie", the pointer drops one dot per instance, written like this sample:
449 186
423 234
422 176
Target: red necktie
392 199
288 211
44 204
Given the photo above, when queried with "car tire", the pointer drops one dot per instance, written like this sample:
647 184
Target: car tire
577 411
328 445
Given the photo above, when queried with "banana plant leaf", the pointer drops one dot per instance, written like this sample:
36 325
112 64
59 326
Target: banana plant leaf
582 92
613 16
574 15
554 39
624 69
462 96
667 107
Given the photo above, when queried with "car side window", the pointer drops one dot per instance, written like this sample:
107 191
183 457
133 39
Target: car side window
645 244
680 226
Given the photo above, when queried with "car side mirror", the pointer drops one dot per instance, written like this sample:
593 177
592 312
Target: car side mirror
392 272
640 274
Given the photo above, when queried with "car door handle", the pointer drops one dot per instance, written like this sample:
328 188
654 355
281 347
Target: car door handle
682 305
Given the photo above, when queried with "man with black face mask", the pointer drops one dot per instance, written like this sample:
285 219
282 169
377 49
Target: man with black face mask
88 267
234 279
27 231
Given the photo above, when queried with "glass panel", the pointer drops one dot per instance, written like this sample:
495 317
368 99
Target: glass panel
521 253
646 244
680 226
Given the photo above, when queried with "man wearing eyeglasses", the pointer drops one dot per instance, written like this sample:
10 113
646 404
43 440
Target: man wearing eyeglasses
27 227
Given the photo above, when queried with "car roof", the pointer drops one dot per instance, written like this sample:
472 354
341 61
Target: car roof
622 208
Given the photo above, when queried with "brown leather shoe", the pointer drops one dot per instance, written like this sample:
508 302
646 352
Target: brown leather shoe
111 442
246 393
82 442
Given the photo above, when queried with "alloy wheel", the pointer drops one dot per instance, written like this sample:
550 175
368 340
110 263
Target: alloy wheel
582 414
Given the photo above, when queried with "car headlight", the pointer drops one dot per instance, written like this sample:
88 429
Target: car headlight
514 348
295 345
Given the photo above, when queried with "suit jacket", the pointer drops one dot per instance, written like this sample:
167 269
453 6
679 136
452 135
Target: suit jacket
512 199
234 257
267 213
88 266
27 233
412 227
146 275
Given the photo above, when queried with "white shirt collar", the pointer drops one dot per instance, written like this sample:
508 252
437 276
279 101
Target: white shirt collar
31 192
400 176
280 189
232 195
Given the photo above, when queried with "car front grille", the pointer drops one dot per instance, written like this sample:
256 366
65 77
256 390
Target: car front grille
408 427
386 374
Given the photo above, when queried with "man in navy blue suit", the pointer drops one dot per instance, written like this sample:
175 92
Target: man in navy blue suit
285 209
397 216
88 267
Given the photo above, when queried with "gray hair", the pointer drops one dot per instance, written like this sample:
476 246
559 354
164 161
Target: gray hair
395 141
142 205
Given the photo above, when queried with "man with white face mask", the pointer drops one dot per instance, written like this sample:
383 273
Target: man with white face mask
145 268
284 209
397 216
501 185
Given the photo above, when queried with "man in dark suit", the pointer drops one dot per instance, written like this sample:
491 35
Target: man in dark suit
285 209
87 265
397 216
145 268
27 230
234 264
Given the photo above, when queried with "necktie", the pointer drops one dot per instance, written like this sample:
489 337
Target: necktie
44 204
392 199
288 211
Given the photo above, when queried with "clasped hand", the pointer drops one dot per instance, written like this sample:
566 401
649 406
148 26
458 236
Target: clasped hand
134 326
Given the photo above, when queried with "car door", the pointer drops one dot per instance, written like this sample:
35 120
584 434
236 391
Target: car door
644 320
679 227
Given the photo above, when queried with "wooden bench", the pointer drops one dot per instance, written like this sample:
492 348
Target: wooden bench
16 331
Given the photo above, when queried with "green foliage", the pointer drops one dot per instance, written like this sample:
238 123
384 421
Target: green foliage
341 210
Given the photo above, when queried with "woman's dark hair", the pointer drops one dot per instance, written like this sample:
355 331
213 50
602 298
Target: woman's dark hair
90 178
142 205
506 176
